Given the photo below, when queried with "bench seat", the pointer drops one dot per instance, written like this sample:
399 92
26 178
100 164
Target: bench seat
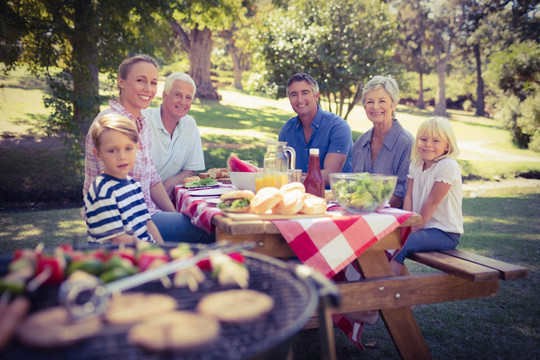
473 267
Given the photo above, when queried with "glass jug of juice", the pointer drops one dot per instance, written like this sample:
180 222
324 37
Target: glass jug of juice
278 159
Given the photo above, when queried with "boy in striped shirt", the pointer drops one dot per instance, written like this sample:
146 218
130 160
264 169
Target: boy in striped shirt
114 205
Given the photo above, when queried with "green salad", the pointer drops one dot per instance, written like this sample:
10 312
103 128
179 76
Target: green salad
209 181
362 192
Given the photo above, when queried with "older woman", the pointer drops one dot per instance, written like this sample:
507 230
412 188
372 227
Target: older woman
386 147
137 81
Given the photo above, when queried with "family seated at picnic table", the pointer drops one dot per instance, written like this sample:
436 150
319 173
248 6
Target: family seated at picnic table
135 156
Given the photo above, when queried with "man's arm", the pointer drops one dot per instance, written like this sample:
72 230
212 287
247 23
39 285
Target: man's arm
160 197
177 179
333 163
153 230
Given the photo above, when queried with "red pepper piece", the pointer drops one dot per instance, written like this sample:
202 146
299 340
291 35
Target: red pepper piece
145 260
125 253
204 264
53 264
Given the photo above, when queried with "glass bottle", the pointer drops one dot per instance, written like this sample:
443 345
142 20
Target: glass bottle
314 182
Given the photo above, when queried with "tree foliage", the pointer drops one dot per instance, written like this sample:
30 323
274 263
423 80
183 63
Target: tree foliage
517 72
413 50
193 23
68 42
340 43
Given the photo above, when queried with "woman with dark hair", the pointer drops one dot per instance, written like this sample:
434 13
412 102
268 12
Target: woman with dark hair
137 81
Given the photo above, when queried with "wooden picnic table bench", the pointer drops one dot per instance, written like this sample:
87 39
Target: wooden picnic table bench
459 275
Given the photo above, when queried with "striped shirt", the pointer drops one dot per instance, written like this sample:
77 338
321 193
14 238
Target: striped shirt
114 207
144 170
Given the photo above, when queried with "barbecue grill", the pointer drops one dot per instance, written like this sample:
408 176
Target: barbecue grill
295 300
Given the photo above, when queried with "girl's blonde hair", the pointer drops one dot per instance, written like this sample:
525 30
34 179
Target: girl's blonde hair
436 127
113 122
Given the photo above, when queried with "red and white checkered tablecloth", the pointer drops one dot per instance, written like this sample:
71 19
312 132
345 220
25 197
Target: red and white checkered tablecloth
329 244
197 208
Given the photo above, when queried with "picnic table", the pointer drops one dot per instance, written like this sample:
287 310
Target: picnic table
457 275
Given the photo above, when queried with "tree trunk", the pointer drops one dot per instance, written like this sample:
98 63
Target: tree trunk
440 96
236 56
198 45
480 104
237 68
420 103
84 70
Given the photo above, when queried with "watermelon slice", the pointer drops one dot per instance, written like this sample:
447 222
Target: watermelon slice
235 164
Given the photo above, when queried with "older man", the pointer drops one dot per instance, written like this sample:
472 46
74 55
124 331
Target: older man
176 142
316 128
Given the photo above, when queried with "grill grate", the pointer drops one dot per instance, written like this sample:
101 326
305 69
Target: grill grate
295 302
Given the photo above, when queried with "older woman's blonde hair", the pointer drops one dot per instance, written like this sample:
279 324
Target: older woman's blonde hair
113 122
436 127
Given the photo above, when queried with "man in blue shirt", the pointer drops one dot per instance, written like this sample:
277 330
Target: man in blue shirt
316 128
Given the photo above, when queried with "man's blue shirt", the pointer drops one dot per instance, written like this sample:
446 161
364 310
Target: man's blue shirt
331 134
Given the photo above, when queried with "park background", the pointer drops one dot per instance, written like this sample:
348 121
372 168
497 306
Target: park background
476 62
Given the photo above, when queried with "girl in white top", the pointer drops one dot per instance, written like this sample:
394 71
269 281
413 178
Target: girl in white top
434 191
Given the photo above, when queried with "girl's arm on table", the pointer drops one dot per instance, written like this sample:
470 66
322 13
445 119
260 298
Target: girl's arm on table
437 193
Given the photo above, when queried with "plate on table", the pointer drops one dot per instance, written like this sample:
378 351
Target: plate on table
210 192
203 187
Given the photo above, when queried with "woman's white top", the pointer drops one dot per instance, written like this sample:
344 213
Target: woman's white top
448 216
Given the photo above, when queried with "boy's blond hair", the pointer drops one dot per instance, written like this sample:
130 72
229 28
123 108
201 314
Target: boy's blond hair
113 122
436 127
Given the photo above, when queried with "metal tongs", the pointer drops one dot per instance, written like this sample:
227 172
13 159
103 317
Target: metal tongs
90 297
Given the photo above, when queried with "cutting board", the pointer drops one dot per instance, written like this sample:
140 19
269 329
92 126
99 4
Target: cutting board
249 216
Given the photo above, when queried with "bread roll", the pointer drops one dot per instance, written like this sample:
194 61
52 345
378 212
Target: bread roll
237 194
204 175
237 201
313 205
218 173
265 199
292 203
190 179
293 186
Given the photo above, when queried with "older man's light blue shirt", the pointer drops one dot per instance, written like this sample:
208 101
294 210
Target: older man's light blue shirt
393 158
